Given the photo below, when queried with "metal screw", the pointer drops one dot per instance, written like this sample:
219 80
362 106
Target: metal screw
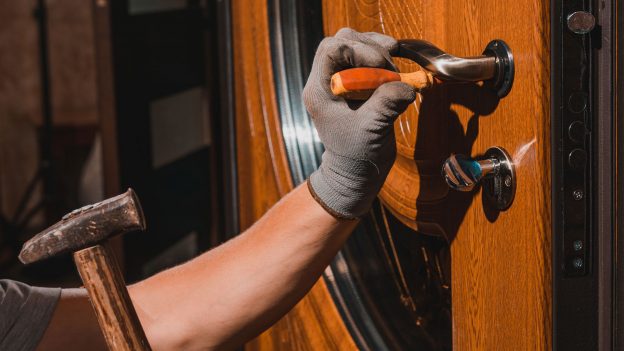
577 263
581 22
508 181
578 245
578 194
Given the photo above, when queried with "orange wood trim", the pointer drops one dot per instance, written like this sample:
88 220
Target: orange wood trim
255 59
264 177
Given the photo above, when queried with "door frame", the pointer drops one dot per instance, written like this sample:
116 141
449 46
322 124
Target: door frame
583 304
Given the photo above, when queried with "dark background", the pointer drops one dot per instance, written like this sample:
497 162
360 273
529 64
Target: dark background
82 90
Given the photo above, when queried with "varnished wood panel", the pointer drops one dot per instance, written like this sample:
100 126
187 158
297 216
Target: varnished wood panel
264 177
501 264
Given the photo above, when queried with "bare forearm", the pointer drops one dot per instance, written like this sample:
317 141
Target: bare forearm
238 289
73 325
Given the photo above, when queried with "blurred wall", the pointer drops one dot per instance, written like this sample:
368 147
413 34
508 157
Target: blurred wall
20 100
73 86
72 62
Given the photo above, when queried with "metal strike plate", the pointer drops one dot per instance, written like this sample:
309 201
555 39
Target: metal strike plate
500 189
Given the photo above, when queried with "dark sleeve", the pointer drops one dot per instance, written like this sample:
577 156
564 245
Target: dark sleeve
25 312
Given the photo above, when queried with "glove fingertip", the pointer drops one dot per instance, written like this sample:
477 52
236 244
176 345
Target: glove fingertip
385 41
390 100
398 91
345 33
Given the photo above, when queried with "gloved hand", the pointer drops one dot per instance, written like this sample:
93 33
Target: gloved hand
359 142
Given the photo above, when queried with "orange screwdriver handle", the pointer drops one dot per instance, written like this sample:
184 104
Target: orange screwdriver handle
360 83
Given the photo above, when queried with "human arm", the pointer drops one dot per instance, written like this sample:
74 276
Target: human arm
238 289
273 264
73 325
225 296
233 292
24 314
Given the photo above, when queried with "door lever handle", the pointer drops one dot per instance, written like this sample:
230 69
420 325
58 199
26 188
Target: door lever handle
495 67
494 170
448 67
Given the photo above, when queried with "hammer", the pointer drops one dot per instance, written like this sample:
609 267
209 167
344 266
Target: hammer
85 232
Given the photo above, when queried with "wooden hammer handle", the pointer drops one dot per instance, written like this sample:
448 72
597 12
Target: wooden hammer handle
360 83
109 297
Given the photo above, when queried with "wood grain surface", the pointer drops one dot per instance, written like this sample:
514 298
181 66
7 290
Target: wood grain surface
264 177
109 297
501 262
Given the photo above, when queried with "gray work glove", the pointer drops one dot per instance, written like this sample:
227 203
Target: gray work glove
359 142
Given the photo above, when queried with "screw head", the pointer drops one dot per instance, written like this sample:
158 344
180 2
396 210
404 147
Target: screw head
578 245
577 263
578 194
581 22
508 181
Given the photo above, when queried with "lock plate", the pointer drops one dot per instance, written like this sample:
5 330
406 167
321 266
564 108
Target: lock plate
499 190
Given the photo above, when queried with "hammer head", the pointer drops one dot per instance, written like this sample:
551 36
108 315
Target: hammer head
85 227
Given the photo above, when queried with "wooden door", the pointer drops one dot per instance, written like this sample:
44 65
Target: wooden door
501 272
499 261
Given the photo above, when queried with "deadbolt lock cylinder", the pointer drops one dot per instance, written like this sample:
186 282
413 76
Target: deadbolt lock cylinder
495 171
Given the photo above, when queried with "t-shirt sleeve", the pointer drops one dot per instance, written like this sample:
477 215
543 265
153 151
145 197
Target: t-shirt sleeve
25 312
